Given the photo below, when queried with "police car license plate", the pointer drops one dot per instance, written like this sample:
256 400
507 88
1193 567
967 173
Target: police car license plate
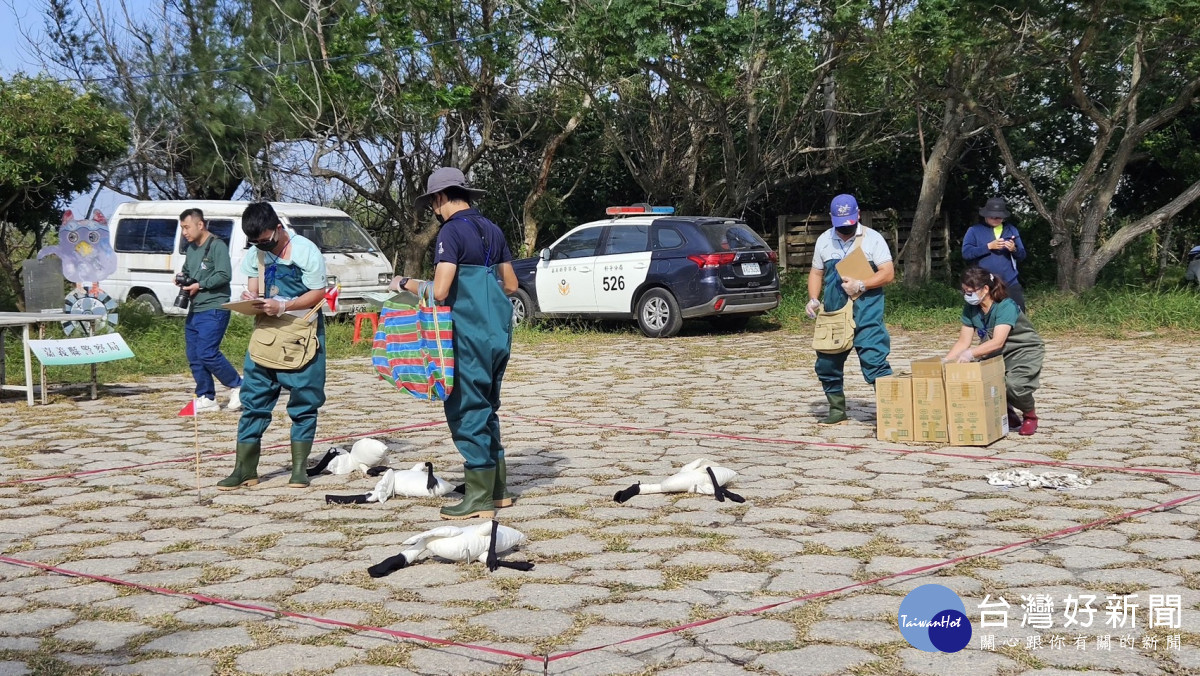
751 269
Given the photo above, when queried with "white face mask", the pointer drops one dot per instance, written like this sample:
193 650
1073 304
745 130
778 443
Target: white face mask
972 298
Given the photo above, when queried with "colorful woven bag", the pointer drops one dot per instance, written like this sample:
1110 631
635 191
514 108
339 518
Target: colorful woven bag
414 347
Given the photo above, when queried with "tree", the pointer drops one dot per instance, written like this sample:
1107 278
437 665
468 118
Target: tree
721 105
52 141
392 92
1114 73
179 73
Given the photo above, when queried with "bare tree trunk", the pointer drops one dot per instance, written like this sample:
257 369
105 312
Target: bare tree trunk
1089 268
413 256
538 190
933 187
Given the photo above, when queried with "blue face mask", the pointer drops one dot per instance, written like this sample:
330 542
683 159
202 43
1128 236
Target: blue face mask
972 298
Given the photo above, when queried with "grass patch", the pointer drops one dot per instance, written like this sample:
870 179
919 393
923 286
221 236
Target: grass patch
1108 312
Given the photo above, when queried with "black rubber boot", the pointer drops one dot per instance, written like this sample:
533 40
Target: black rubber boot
500 495
837 408
245 467
300 451
478 496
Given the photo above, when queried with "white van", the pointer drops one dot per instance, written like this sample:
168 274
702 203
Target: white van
149 247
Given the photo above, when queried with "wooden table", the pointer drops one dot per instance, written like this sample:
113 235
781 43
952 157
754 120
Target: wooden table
26 320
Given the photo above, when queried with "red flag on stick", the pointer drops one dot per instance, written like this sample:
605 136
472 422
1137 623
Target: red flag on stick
190 409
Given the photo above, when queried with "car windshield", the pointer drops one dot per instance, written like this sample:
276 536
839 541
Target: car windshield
731 237
334 234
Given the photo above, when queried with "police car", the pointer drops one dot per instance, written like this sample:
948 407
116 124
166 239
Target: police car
647 264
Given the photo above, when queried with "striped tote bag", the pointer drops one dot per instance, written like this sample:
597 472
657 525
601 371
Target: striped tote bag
414 347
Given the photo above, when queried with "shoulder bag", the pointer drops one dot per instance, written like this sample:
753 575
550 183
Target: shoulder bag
834 332
286 343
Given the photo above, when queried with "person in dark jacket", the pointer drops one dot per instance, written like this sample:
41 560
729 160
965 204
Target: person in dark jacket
996 247
206 264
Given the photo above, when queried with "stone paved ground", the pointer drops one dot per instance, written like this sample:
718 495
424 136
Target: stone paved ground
816 518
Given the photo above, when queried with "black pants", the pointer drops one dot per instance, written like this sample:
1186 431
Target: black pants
1017 293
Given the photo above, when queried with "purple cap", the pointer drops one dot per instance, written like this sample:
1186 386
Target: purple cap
844 210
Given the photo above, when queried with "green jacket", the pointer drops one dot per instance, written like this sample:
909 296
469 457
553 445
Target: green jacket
209 265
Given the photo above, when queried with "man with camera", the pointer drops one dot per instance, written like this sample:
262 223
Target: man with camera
203 288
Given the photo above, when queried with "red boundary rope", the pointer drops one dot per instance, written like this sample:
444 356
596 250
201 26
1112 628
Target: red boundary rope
547 659
200 598
222 454
904 573
859 447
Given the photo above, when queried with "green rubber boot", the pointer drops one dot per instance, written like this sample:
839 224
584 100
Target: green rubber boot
500 495
245 467
300 451
837 408
480 484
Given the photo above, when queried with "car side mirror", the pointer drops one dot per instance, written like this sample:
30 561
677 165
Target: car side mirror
546 254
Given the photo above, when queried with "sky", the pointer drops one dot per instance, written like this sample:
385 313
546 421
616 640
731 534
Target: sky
21 18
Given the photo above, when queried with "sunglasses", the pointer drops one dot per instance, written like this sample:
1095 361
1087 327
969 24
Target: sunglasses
262 242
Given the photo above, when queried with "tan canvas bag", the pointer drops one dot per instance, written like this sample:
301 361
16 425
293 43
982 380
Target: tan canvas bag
286 343
834 332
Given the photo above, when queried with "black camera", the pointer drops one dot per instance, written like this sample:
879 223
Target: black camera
184 298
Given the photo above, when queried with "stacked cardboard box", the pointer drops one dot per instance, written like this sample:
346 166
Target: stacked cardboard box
894 409
976 402
961 404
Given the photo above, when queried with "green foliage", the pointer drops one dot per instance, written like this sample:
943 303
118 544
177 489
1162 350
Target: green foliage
52 140
1113 312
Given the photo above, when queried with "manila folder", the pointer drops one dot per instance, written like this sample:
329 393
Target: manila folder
855 265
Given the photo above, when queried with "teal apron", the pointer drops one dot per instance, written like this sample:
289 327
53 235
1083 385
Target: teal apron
871 338
261 385
482 344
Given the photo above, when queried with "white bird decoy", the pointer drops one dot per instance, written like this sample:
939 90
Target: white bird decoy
418 482
363 455
477 543
699 476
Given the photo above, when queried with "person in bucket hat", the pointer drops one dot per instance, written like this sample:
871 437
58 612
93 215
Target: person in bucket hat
996 246
473 274
828 290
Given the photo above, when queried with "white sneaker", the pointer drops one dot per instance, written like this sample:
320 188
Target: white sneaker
206 405
235 399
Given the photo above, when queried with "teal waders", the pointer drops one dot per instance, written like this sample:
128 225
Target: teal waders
482 344
260 391
871 341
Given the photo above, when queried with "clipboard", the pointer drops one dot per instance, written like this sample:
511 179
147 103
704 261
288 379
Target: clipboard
246 307
855 264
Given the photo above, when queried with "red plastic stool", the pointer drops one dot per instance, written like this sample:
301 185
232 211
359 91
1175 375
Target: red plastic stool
361 317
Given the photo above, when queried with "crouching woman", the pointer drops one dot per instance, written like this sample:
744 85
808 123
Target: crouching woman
1003 328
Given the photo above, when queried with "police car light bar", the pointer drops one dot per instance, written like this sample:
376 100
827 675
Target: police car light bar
638 209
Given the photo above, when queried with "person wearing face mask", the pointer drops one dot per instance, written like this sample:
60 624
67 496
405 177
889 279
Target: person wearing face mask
826 287
292 278
1002 328
996 246
473 274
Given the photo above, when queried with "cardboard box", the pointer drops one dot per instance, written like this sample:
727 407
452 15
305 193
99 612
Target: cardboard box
894 409
929 401
975 402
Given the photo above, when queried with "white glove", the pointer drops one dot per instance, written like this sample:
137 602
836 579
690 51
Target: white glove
275 308
853 287
966 356
811 309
